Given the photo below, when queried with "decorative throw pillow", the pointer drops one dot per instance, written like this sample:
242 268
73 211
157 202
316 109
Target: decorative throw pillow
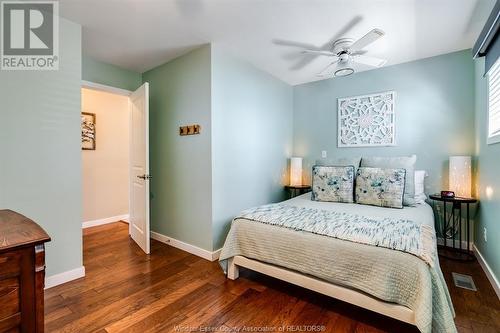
380 187
405 162
332 183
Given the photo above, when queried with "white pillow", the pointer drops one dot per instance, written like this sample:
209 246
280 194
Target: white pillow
420 196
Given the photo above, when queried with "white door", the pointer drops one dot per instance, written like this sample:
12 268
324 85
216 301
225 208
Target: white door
139 167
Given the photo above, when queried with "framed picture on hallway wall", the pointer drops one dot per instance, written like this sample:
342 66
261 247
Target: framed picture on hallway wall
88 131
367 120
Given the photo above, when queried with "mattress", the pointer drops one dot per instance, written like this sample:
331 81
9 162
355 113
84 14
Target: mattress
389 275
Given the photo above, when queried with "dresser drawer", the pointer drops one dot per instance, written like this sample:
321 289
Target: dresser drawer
9 297
11 324
10 264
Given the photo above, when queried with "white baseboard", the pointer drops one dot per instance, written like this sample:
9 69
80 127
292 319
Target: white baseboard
487 270
106 220
216 254
197 251
55 280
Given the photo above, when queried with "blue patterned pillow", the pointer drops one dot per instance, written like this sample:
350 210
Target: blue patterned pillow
333 183
380 187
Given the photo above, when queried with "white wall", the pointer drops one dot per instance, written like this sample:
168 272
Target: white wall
105 171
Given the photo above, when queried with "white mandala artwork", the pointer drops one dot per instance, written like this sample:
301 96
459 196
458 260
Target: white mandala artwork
367 121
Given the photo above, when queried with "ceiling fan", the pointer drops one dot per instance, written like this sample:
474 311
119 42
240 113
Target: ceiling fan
346 53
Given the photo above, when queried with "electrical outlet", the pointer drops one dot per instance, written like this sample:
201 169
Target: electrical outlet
323 154
485 234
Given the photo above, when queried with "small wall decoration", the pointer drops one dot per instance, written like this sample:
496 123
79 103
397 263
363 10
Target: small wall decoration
88 131
189 130
367 121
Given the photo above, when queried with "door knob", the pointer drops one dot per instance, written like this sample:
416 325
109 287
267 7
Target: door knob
145 177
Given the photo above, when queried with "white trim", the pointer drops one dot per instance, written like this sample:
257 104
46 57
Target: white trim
55 280
197 251
488 271
106 88
345 294
493 139
93 223
216 254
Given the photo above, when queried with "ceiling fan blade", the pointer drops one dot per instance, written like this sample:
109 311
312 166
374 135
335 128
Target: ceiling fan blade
316 52
291 56
328 69
370 61
306 60
290 43
367 39
355 20
306 57
358 52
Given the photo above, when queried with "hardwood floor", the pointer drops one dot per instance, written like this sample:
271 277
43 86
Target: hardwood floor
173 291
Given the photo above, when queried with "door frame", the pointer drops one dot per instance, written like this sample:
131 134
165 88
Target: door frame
117 91
105 88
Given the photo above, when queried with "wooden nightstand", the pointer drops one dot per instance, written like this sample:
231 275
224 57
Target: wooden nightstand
296 190
452 222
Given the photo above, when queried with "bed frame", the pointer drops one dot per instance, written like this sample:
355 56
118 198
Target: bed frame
348 295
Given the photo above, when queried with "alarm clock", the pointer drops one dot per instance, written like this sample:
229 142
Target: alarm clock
447 194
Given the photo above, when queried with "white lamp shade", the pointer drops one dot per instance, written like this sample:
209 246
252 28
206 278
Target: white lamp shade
296 171
461 175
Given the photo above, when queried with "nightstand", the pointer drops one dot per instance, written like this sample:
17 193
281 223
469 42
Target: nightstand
452 224
296 190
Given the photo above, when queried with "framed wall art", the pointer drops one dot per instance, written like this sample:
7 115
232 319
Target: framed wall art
367 120
88 131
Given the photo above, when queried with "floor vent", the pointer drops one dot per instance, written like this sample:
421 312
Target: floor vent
464 281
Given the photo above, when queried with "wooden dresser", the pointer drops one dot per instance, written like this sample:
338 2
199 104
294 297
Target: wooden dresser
22 273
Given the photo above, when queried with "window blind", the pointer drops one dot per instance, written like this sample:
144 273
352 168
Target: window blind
494 101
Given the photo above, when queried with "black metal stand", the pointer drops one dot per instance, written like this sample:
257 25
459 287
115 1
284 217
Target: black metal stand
297 190
453 252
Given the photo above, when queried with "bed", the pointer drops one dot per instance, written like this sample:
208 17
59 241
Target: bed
393 283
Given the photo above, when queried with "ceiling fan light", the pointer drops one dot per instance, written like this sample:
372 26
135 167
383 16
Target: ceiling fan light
344 71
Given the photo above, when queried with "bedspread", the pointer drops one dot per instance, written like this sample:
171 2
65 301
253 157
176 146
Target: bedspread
389 275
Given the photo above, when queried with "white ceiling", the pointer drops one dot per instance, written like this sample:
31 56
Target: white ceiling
140 35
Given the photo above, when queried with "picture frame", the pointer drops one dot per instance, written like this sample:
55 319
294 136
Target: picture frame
88 126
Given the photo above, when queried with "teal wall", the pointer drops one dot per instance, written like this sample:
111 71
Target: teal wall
111 75
434 113
180 94
238 160
488 166
252 124
40 164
